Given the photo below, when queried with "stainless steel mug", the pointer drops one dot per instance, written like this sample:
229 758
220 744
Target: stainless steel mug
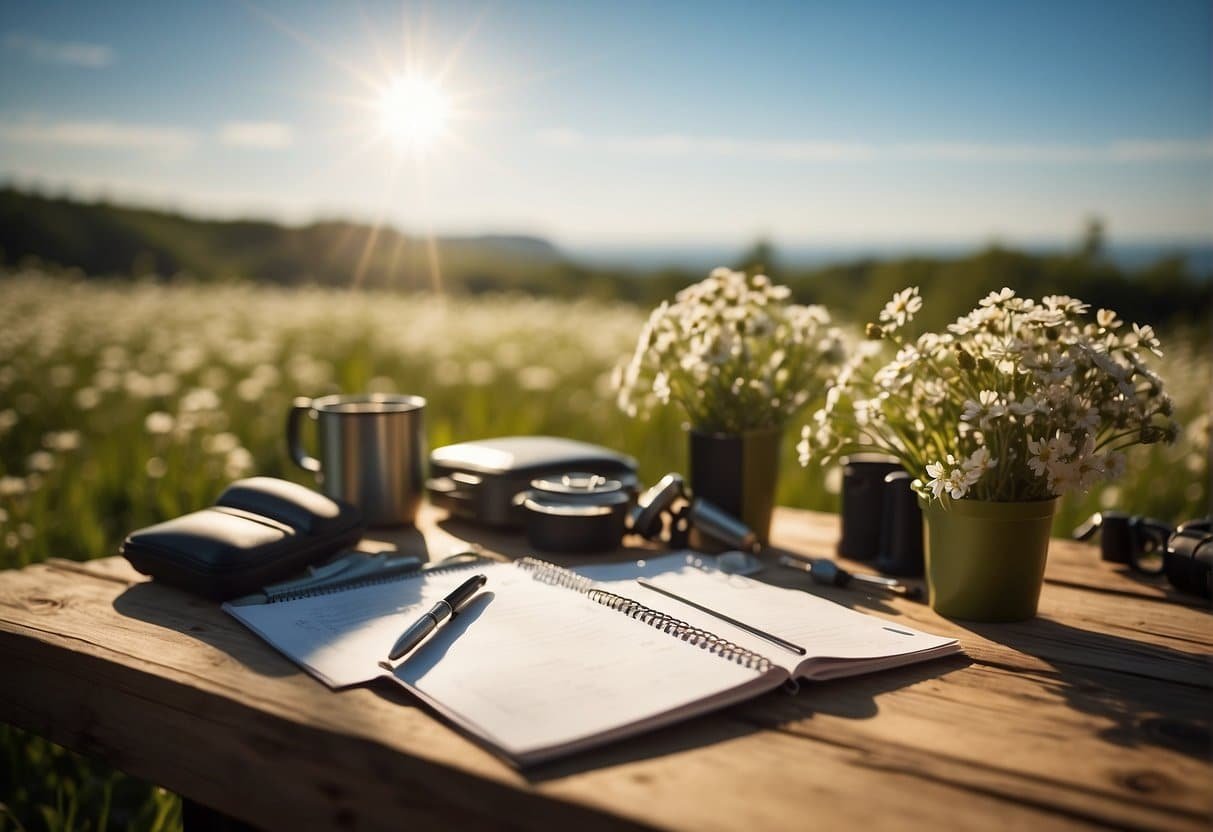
372 452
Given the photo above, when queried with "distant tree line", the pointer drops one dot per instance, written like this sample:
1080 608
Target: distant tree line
106 240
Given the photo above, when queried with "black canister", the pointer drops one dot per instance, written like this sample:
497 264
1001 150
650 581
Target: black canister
900 529
575 513
1116 538
863 503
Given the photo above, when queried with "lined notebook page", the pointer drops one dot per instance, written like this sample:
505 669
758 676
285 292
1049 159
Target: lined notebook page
539 670
341 637
838 641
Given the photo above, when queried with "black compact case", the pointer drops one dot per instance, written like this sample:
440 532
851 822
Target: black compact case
479 480
259 531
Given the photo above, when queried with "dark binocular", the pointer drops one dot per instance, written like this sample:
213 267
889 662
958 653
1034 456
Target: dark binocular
1135 541
668 504
1152 547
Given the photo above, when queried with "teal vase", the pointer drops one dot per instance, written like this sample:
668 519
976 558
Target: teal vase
985 561
738 472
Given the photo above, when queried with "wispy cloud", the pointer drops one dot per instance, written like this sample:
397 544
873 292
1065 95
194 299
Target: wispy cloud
674 144
163 140
99 135
259 135
69 53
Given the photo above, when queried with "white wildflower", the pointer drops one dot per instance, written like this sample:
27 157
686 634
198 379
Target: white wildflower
997 298
902 308
158 423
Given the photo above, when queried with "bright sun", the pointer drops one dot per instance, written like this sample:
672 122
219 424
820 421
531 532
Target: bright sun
413 112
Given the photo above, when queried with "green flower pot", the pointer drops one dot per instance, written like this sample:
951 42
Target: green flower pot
738 472
985 561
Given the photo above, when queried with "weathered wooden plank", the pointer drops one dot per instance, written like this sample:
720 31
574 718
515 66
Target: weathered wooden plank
1079 743
82 619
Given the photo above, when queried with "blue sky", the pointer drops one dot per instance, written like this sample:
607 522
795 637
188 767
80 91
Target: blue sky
633 123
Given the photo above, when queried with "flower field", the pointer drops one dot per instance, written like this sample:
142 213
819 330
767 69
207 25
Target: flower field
124 404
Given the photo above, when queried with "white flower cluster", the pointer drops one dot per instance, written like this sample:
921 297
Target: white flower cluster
1018 400
733 353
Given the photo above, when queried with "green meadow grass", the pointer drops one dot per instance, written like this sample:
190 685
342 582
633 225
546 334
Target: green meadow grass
124 404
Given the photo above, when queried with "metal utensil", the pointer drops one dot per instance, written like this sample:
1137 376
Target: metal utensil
827 572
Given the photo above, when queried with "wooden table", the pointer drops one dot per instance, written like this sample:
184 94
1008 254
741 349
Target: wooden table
1097 713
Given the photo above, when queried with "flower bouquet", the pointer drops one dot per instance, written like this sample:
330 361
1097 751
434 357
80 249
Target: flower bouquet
741 361
1017 403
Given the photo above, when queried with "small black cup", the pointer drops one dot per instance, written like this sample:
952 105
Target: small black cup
863 503
900 529
1116 538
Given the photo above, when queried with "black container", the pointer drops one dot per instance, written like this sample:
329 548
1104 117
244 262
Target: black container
901 550
738 474
1116 538
863 504
575 513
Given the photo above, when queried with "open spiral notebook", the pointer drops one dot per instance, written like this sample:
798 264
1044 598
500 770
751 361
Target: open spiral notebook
547 661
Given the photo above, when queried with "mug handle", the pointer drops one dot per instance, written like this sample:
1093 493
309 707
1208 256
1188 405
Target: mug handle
300 407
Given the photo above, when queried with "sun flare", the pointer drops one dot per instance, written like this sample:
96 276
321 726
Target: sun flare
414 112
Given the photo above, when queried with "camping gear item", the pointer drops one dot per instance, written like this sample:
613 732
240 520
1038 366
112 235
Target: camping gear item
371 452
260 530
479 480
576 512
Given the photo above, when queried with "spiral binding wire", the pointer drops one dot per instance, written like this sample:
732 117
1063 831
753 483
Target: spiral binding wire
550 573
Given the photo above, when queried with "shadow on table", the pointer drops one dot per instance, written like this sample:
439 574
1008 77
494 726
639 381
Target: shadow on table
1160 582
203 621
1116 678
512 544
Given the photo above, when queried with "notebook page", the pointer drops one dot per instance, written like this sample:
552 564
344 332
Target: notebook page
826 630
341 637
538 667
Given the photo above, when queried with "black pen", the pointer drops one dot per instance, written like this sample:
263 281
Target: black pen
444 609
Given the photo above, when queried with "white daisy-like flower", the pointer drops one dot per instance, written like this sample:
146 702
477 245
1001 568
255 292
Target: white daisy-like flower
1041 454
1062 476
957 483
901 309
1064 303
1144 337
938 479
996 298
